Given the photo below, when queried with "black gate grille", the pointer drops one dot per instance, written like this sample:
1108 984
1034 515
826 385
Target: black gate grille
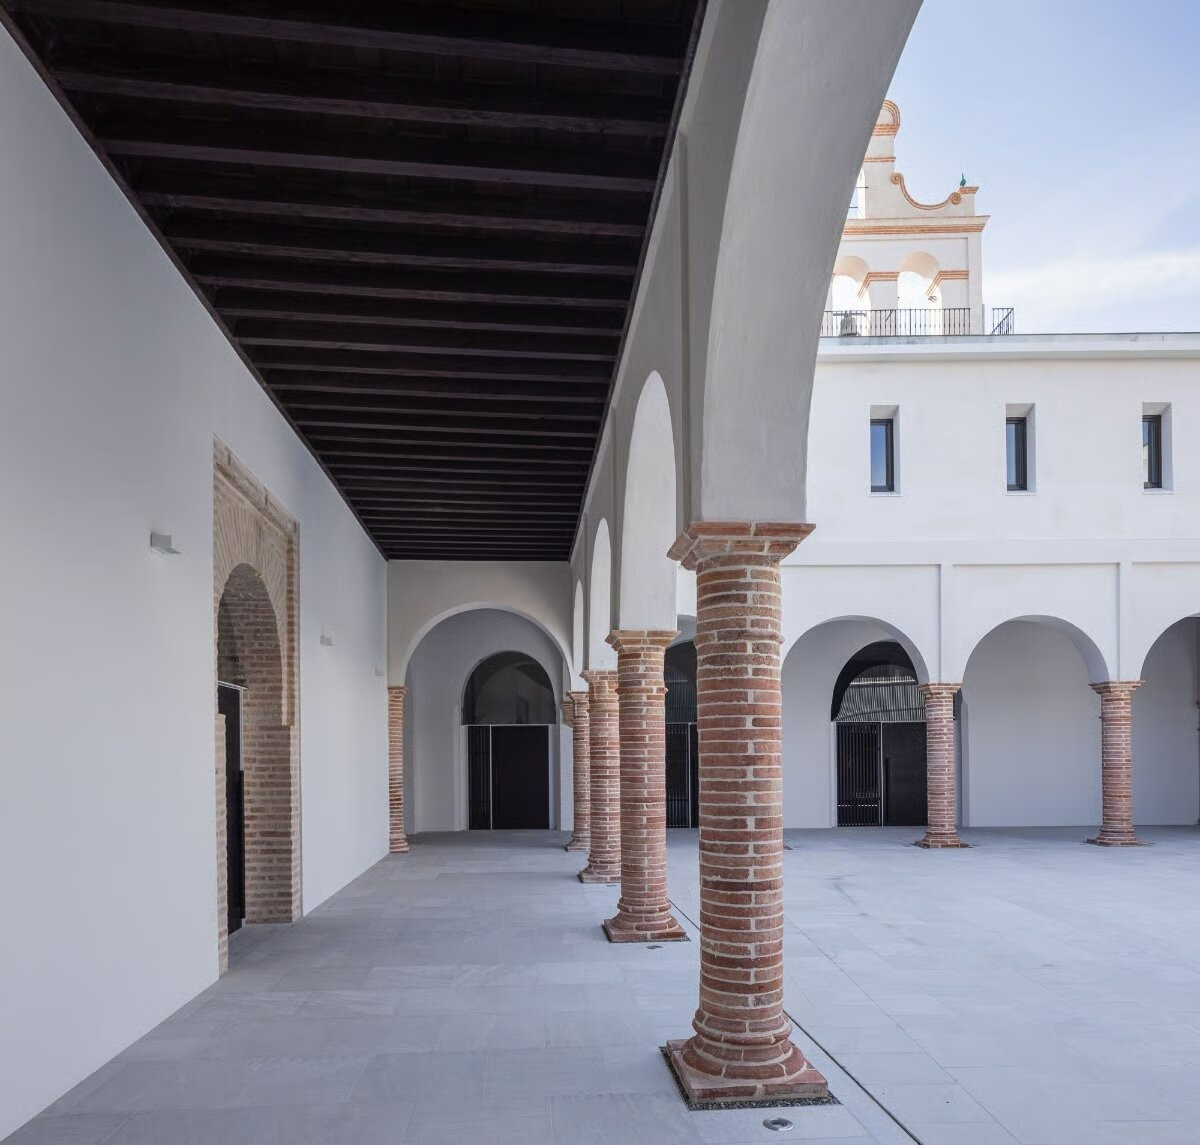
859 775
683 787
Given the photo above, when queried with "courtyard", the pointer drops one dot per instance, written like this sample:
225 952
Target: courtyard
1029 989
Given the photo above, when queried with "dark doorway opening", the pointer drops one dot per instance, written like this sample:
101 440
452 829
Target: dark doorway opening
683 741
229 705
508 707
880 716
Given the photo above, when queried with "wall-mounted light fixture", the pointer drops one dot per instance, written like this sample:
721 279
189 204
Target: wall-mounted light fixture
326 639
161 543
379 672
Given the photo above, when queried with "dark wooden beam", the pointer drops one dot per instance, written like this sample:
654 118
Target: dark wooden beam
476 423
612 258
415 411
289 384
185 141
595 325
400 364
425 285
349 443
324 197
365 94
418 29
443 342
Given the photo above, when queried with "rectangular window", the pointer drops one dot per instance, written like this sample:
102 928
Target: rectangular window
1152 451
883 455
1016 432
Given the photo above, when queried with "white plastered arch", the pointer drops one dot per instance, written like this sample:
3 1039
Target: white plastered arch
599 653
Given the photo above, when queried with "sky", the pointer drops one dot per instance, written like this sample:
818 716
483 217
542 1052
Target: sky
1079 120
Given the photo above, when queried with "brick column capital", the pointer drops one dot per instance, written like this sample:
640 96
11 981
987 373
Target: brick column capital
705 541
602 684
1115 690
632 639
936 691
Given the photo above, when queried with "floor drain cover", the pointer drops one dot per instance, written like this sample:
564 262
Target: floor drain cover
779 1124
654 946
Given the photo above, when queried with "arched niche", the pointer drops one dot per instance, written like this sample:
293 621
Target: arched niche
599 653
508 688
648 529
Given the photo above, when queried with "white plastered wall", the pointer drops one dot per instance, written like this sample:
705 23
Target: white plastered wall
435 755
115 381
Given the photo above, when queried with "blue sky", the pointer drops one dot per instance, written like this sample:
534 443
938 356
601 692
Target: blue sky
1080 123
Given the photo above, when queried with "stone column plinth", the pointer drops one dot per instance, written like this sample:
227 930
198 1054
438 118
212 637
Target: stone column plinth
604 855
742 1049
1116 763
575 713
940 767
397 839
643 911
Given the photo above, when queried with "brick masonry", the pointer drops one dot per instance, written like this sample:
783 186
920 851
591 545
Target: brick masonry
643 911
741 1049
397 839
604 856
1116 763
940 762
255 612
575 715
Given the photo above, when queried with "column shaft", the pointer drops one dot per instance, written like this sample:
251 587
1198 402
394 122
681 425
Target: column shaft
604 857
1116 763
940 767
643 911
575 712
742 1048
397 839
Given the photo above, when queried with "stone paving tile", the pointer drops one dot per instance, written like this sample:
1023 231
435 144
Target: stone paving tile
465 992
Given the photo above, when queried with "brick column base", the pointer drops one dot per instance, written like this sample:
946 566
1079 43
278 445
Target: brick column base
604 855
940 757
575 713
742 1049
1116 763
643 911
397 839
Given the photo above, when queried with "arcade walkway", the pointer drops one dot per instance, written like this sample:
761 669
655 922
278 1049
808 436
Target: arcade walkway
1025 990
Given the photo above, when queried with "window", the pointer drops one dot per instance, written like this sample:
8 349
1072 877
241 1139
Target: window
1016 433
1152 451
883 455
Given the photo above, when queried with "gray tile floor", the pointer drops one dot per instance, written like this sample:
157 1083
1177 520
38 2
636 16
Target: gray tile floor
1028 990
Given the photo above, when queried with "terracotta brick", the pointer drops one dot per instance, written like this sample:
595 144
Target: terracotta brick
741 1049
940 761
397 839
1116 763
575 713
604 856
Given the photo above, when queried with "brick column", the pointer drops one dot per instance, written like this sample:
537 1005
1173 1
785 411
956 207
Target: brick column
742 1048
575 713
643 911
940 760
604 857
397 840
1116 763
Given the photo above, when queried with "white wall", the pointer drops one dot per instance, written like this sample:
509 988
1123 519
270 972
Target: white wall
1166 744
114 382
435 759
1032 756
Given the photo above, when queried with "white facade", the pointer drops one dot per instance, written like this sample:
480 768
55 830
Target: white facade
1023 597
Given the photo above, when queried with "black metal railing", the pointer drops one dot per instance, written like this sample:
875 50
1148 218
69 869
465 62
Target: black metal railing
930 322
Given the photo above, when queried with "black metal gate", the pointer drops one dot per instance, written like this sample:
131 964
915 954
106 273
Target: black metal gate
508 777
683 775
859 775
229 704
881 776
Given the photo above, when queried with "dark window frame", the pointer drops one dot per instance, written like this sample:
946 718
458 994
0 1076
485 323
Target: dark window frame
1152 451
1018 481
889 445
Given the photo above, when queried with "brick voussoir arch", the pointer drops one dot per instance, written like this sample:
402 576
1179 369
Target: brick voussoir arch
255 614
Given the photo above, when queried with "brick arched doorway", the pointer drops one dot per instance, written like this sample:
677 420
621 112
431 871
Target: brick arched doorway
255 606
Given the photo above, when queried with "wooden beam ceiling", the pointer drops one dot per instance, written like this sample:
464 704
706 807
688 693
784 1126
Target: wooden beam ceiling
420 221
